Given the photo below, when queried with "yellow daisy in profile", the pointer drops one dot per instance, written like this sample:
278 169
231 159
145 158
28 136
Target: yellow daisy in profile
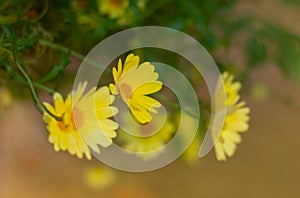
236 120
133 82
146 138
84 122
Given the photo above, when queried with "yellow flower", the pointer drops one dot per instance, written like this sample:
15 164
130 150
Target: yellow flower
5 99
87 20
146 138
191 153
133 82
236 120
97 178
85 123
113 8
117 9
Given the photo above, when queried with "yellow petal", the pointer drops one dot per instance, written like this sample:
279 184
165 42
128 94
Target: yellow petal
113 89
59 104
103 97
232 136
139 76
229 148
115 74
130 62
148 88
145 102
49 107
108 124
106 112
79 92
220 152
141 115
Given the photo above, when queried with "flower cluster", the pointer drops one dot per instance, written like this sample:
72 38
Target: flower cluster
86 115
86 122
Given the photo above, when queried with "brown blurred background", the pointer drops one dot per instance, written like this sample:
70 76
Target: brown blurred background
266 164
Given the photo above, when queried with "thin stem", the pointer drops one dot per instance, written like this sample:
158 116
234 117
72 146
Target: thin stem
61 48
44 11
29 81
40 86
34 94
174 105
73 53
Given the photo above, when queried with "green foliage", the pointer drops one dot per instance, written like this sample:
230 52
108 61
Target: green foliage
292 2
256 50
288 56
48 33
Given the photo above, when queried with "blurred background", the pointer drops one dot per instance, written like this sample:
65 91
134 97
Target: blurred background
258 41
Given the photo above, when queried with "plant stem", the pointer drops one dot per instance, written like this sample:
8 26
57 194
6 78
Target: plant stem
40 86
73 53
29 81
174 105
34 94
61 48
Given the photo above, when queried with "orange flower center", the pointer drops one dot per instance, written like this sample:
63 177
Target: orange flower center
61 125
125 90
147 129
77 118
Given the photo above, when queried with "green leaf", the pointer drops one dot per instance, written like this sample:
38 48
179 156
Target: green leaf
289 56
256 51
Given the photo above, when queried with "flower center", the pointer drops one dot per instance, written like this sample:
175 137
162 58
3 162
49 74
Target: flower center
147 129
77 118
61 125
125 90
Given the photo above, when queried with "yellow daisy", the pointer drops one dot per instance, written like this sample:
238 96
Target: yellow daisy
84 122
133 82
141 144
236 120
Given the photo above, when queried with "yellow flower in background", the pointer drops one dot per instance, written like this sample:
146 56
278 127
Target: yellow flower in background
88 20
146 138
236 120
5 99
85 123
260 92
191 153
113 8
118 9
133 82
98 178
